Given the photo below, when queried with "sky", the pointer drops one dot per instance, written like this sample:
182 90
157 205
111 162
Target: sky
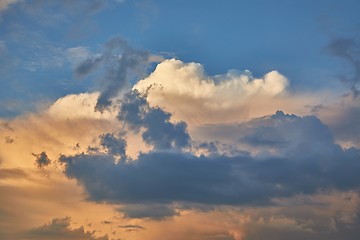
199 120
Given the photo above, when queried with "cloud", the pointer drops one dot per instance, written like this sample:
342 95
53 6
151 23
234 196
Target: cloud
80 106
280 134
115 145
121 64
306 161
348 49
69 122
343 117
190 95
59 228
42 160
159 131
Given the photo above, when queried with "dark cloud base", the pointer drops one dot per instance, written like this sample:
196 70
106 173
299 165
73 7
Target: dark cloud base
306 161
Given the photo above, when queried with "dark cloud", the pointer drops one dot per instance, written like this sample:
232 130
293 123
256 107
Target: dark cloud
348 49
120 63
115 146
136 113
307 161
59 229
289 134
87 66
42 160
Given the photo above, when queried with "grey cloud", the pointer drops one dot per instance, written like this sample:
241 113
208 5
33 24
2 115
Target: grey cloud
120 63
348 49
217 147
159 177
42 160
152 211
289 134
115 146
59 229
312 162
159 131
87 66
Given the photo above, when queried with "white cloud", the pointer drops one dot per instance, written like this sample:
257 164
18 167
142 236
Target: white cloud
77 106
186 91
189 79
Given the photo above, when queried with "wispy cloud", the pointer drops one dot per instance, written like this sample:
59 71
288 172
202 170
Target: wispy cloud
121 63
348 49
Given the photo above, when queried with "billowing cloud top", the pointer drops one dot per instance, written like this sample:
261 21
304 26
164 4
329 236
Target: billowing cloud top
186 91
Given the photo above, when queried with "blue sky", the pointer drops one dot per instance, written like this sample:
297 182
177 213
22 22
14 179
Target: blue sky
259 36
199 120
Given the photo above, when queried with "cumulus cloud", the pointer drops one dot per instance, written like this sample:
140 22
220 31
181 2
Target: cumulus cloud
159 131
306 161
281 134
80 106
189 94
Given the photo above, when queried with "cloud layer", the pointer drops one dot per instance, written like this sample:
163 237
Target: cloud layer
298 156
